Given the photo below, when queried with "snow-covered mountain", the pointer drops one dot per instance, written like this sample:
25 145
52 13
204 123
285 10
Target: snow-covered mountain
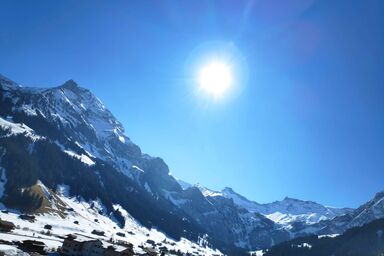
373 209
65 136
290 217
81 118
284 212
366 213
288 210
286 218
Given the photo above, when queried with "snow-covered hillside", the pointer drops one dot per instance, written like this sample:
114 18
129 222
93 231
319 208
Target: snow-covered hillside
9 129
82 217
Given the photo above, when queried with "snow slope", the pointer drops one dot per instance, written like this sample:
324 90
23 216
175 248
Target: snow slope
92 216
11 129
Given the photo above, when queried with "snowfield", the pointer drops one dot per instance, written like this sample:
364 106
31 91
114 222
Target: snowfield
90 216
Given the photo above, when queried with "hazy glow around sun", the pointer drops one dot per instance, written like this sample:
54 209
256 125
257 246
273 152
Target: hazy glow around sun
215 78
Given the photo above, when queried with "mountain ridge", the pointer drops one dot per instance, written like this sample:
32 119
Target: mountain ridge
78 132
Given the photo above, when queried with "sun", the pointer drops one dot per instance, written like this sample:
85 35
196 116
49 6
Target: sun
215 78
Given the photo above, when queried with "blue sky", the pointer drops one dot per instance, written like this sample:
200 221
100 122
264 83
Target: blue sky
307 117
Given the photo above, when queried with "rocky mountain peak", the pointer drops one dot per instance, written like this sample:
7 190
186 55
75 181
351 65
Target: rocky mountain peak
70 85
228 189
379 196
294 200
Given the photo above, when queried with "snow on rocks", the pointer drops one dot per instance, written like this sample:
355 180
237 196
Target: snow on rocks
208 192
83 158
12 129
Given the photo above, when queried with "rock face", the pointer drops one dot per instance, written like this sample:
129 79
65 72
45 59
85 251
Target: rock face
66 136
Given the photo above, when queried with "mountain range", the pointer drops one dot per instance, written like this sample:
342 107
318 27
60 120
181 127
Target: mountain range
66 137
366 240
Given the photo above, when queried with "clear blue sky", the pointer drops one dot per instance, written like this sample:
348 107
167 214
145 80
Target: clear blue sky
308 121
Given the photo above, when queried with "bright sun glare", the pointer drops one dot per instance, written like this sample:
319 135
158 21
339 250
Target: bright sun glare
216 78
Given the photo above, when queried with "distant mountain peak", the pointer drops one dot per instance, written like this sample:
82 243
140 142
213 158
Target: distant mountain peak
70 85
207 192
229 189
291 199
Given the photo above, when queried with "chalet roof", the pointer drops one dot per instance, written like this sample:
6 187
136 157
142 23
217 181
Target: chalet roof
81 238
34 243
117 248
